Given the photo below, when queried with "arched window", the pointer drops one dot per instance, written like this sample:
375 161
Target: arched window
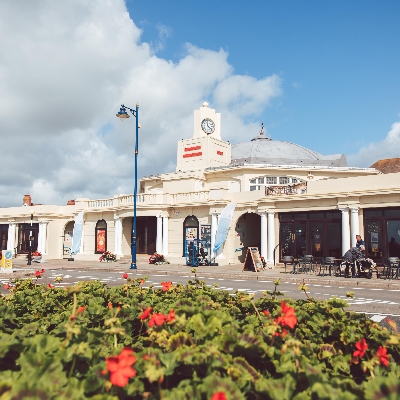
101 236
190 232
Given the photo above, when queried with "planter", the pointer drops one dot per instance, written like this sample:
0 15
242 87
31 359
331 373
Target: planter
37 259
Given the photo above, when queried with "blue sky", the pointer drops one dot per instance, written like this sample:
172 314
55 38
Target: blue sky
339 60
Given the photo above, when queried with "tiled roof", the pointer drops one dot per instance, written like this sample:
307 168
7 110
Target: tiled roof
388 165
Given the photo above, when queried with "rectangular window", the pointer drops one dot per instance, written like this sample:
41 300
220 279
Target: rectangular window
270 180
392 212
260 180
252 188
253 180
372 213
283 180
294 180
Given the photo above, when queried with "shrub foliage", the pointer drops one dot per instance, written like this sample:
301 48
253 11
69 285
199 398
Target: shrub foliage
188 342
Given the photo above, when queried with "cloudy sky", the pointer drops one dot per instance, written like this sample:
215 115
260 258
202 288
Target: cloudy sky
324 75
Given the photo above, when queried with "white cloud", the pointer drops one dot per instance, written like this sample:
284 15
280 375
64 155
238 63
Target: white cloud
372 152
65 67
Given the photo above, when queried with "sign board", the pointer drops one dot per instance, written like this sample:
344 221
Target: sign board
253 260
205 233
6 261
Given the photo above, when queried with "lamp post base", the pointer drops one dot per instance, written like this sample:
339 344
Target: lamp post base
133 266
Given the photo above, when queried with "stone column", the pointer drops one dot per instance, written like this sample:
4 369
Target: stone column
159 235
271 237
345 230
11 236
264 235
214 224
354 225
165 236
118 235
42 237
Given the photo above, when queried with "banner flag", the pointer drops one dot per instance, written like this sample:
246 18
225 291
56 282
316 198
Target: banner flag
223 226
77 234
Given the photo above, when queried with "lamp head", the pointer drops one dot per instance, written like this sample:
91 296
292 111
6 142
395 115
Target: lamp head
122 114
32 212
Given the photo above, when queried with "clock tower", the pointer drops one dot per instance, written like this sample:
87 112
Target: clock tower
205 148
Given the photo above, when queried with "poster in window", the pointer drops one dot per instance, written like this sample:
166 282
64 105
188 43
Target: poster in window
101 241
317 237
205 233
191 233
68 236
374 237
374 247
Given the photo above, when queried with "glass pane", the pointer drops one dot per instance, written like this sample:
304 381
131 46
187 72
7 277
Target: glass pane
283 180
285 216
393 230
334 242
191 221
253 188
286 240
392 212
294 180
253 180
270 180
316 215
300 216
101 224
335 215
301 239
374 239
260 180
316 231
372 213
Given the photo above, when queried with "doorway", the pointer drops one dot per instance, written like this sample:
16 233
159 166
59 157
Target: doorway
146 228
24 231
248 234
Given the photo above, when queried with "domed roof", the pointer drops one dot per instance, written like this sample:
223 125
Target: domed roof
264 150
387 165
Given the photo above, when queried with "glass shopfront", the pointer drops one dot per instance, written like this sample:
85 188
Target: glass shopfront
310 233
382 232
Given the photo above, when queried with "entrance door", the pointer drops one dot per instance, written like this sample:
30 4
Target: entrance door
23 237
293 239
3 236
146 228
393 235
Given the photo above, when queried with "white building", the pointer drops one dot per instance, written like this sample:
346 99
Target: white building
290 201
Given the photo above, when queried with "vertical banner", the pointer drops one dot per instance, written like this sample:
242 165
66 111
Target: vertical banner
77 234
223 226
100 241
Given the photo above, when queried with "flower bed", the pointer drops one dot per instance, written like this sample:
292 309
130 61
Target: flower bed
157 259
188 342
107 256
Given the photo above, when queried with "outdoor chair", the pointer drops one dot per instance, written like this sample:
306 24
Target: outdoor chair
307 263
329 265
289 260
391 267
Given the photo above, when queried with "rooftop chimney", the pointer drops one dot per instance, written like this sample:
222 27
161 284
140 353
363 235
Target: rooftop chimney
27 200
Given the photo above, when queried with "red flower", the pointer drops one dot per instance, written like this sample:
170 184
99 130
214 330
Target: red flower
125 276
7 286
219 396
283 334
157 319
266 313
171 316
146 313
383 356
289 318
166 286
50 285
110 306
361 347
42 271
37 274
81 309
120 367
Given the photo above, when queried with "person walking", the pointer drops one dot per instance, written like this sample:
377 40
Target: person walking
350 258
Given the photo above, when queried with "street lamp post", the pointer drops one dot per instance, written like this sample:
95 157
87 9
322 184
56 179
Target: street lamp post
122 115
30 240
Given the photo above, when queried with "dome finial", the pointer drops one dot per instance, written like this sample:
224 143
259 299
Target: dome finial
262 132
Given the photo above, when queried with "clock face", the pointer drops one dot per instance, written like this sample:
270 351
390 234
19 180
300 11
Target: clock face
208 125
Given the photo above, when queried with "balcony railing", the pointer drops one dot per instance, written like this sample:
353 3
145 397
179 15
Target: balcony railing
190 197
298 188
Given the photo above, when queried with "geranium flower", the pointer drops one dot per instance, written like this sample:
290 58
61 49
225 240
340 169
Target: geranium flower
120 367
157 319
171 316
146 313
50 285
7 286
81 309
289 318
283 333
166 286
383 356
37 274
361 347
219 396
42 271
125 276
266 313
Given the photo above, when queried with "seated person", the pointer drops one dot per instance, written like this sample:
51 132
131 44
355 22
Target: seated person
350 257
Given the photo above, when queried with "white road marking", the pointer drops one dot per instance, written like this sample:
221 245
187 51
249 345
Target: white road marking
265 281
84 276
376 289
238 280
378 318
